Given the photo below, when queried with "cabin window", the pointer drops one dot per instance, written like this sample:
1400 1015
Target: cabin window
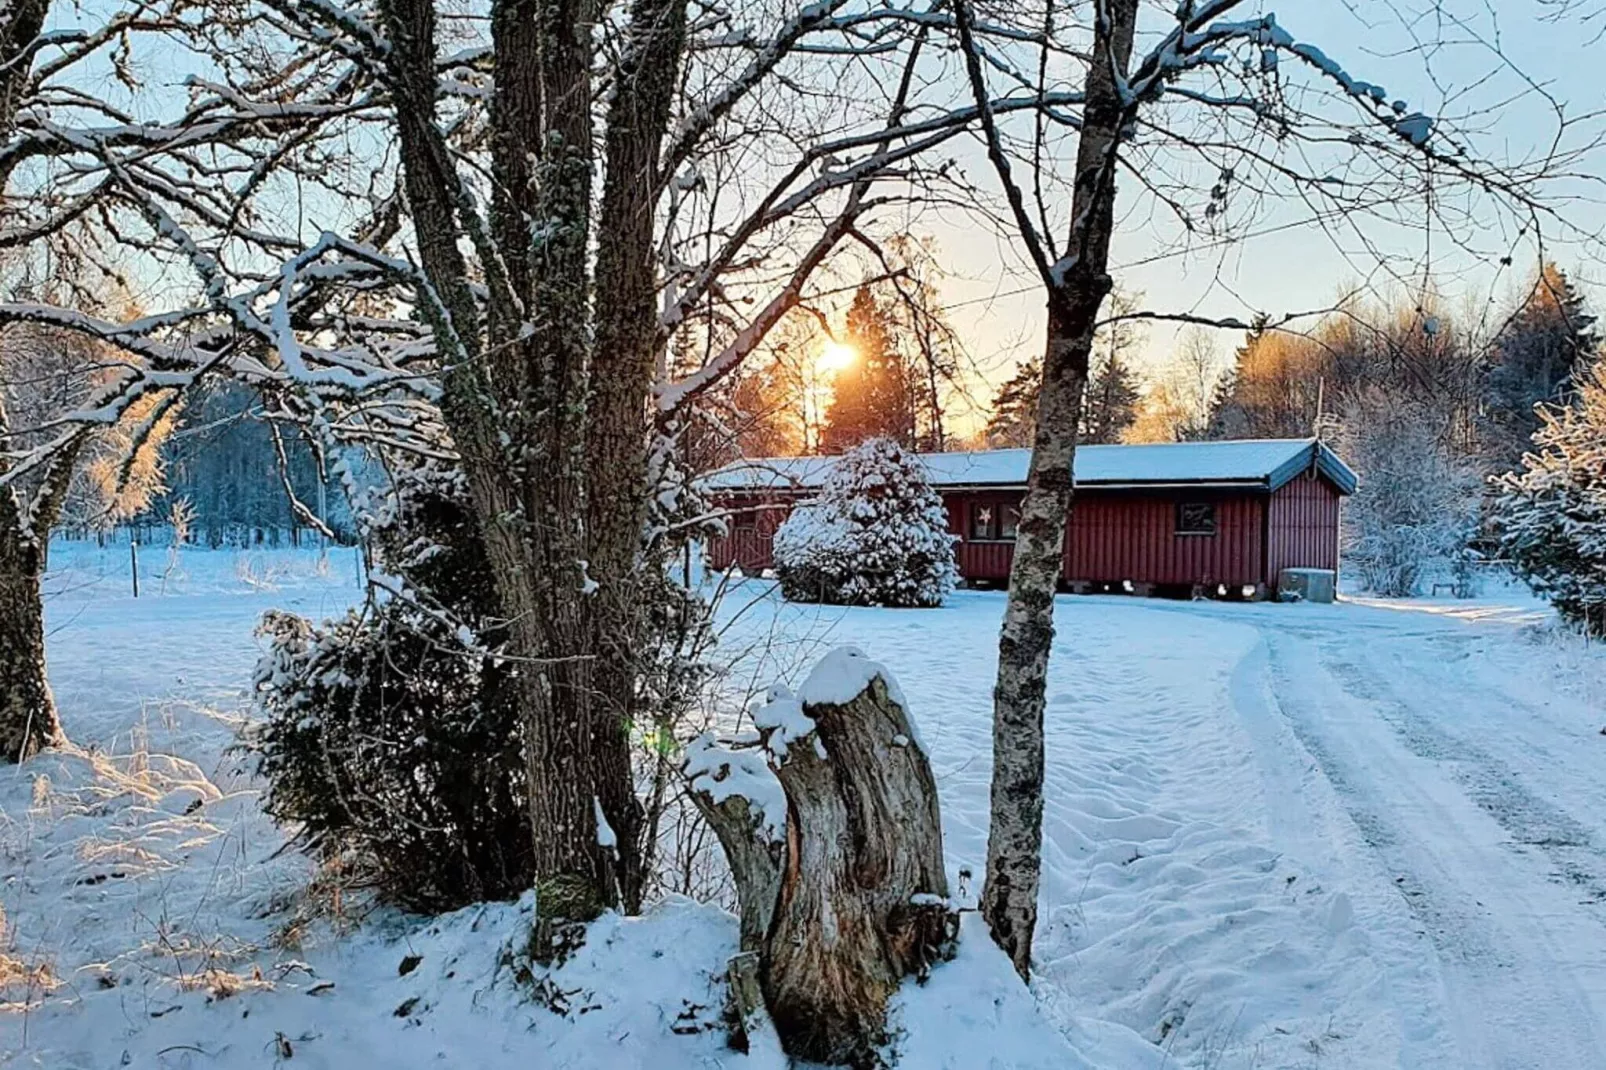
1196 518
994 522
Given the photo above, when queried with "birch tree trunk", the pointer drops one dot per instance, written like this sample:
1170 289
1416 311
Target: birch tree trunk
1080 284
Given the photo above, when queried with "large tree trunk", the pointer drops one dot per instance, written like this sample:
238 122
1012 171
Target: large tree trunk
551 422
622 363
1015 831
514 397
852 897
571 750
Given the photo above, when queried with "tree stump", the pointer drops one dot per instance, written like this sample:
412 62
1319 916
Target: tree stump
839 865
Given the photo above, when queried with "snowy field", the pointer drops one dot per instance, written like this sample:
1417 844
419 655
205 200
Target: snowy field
1362 836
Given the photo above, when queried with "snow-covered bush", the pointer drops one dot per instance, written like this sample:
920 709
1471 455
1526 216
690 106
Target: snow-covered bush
1417 504
876 535
391 738
1551 516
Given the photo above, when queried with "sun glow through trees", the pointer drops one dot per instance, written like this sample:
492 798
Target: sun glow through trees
836 356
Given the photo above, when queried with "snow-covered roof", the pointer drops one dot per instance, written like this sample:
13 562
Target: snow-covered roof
1265 463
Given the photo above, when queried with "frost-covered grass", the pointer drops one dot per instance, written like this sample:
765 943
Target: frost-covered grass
1237 872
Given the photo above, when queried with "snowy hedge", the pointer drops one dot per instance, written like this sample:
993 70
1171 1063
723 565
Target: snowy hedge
1551 515
876 535
391 735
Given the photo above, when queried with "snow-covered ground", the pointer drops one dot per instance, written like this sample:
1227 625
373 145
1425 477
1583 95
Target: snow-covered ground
1366 835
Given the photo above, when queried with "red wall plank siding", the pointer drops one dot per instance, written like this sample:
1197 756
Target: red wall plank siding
985 560
1303 526
1125 536
750 531
955 504
1115 537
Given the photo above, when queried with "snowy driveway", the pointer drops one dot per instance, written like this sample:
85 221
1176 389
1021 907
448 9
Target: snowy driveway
1476 778
1360 836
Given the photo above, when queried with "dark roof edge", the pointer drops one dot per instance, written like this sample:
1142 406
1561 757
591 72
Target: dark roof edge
1108 484
1328 463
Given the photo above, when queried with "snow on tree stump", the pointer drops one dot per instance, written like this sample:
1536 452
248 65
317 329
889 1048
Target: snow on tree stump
836 854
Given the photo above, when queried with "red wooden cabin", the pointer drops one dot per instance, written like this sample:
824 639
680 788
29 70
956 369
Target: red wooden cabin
1196 517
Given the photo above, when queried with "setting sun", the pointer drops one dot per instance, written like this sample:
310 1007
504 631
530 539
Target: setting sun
836 356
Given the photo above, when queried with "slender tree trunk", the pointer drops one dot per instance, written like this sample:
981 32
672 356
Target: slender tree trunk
563 731
1015 832
623 359
28 721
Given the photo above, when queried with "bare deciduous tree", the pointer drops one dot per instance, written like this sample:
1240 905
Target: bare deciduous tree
1224 117
575 187
48 231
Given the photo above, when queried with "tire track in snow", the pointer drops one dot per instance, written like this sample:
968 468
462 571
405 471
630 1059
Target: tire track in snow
1531 822
1521 992
1311 814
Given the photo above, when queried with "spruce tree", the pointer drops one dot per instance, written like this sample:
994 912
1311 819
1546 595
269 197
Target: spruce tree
1550 337
1112 397
1014 415
1111 403
877 535
1550 515
1108 410
1272 387
873 396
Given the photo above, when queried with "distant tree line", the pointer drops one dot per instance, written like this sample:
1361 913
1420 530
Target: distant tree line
231 473
1483 390
1427 404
